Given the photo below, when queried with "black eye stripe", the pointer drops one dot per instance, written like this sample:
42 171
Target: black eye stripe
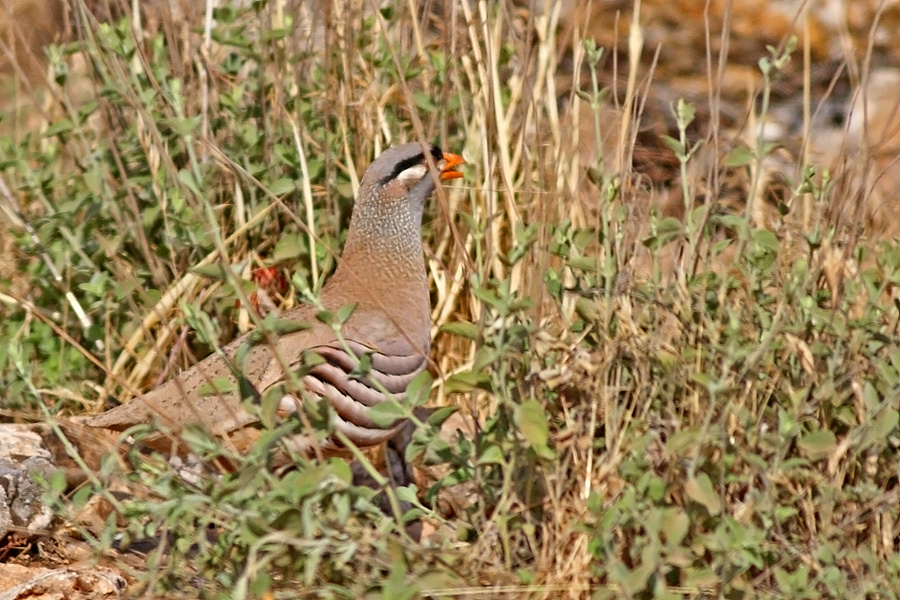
404 165
412 161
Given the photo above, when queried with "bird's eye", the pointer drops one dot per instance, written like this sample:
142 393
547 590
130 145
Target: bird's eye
412 174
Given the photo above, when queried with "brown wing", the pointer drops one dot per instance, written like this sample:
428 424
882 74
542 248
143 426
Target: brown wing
206 393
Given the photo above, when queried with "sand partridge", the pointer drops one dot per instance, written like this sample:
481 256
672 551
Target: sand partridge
381 272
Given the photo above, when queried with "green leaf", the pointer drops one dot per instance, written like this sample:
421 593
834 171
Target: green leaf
665 231
199 440
767 239
677 525
685 112
674 145
216 387
215 271
81 497
584 95
340 468
533 425
57 482
387 413
419 389
885 423
438 452
407 493
682 442
62 126
492 455
584 263
700 490
467 382
282 186
735 223
268 405
818 444
187 178
424 101
311 358
184 127
280 326
740 156
438 417
702 578
462 329
344 312
363 367
289 246
588 310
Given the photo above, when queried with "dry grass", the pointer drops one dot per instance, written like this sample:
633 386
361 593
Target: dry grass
710 345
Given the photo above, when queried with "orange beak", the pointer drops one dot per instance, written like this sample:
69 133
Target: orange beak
451 161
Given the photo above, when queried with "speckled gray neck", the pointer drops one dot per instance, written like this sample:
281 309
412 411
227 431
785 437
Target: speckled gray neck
391 226
389 229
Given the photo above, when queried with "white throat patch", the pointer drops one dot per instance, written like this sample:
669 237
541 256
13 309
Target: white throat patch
414 173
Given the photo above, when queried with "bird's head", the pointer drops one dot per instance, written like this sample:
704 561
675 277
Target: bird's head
400 175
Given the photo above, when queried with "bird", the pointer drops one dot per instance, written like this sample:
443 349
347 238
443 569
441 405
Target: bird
370 358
